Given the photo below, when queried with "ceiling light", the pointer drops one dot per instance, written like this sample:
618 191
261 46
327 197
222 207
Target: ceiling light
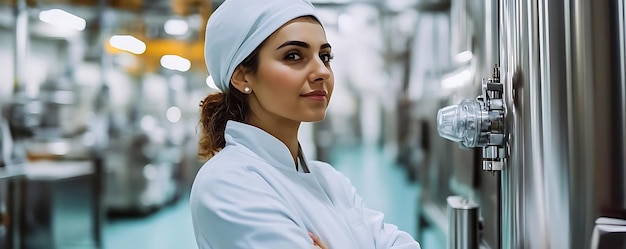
176 27
128 43
175 62
61 18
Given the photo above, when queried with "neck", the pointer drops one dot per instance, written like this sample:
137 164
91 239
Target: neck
286 132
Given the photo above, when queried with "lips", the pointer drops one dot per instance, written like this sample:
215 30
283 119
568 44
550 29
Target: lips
316 93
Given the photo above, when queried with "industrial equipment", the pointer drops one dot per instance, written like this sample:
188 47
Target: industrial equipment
11 176
550 123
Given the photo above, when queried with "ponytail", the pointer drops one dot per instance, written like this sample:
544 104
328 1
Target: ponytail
215 110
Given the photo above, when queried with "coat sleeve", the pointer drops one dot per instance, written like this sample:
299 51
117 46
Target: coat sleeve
239 209
386 236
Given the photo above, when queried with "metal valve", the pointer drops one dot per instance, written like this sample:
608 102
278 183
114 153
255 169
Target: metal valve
479 122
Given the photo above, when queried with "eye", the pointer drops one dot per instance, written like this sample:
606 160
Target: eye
327 57
293 56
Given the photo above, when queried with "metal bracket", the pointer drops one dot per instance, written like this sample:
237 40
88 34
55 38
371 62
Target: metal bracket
479 123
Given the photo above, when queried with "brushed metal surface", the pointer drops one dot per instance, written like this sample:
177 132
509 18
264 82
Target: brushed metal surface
463 223
554 120
521 191
622 102
564 69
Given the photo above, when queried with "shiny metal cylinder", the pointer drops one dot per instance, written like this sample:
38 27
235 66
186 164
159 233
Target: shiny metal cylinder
595 171
463 221
622 88
554 120
21 44
563 81
523 217
564 73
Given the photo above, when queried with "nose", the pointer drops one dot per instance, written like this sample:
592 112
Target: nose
320 72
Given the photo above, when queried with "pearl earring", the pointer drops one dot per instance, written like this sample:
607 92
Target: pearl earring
246 89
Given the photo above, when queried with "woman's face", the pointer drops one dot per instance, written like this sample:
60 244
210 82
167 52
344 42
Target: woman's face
294 80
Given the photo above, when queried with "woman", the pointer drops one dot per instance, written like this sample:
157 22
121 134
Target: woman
271 60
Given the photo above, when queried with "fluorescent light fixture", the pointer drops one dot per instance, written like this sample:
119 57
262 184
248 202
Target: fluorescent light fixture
128 43
173 114
176 27
175 62
64 19
211 83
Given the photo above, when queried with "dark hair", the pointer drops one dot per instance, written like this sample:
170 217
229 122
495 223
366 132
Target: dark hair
217 108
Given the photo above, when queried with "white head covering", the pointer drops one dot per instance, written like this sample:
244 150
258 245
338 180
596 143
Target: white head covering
237 27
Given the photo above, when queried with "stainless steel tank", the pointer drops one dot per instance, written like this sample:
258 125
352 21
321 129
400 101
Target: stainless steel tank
562 71
566 166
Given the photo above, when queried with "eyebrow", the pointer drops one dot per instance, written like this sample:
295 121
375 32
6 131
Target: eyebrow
301 44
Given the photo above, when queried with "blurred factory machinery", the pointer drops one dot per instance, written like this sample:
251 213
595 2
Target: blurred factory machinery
95 114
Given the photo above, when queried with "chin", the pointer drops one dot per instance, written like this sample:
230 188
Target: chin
315 118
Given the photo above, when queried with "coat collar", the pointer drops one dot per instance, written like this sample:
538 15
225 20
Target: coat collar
261 143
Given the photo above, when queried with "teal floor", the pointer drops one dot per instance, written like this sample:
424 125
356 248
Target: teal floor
168 228
382 184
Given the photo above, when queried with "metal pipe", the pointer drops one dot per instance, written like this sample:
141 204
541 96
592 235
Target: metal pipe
622 103
15 209
21 45
579 116
498 177
101 108
510 214
523 219
554 121
462 223
492 33
592 69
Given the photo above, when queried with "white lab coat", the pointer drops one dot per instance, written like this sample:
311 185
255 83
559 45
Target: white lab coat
250 195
